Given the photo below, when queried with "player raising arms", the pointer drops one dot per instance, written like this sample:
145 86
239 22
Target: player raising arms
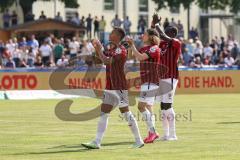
116 93
149 57
170 52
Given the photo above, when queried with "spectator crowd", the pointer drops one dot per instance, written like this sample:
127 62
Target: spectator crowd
64 52
219 52
53 52
60 52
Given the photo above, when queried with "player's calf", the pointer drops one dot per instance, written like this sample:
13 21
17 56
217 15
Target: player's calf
132 123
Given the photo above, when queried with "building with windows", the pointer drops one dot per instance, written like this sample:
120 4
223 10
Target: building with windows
211 24
215 23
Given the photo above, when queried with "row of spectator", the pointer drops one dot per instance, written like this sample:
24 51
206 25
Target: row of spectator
221 52
64 52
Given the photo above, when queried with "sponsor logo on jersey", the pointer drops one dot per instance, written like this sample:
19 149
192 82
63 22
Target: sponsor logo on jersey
118 51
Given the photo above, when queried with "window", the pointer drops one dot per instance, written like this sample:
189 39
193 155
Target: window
70 13
175 10
143 5
143 10
109 4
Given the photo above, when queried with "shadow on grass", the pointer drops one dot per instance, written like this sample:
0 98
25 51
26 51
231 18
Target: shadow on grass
73 148
117 144
228 122
80 146
52 152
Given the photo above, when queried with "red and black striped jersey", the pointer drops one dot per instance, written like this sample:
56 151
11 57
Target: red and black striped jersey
149 68
170 52
115 75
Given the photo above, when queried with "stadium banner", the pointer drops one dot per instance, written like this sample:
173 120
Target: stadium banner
190 81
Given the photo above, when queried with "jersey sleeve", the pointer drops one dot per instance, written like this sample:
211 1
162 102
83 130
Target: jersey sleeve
121 55
177 44
154 52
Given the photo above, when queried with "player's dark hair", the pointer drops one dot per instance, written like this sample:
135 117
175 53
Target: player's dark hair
172 29
175 30
120 31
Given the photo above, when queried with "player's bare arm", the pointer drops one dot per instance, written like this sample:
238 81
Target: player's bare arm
162 34
156 24
137 54
99 50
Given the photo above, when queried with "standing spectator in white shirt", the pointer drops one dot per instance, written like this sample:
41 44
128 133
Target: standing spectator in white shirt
207 51
197 52
116 22
74 47
126 25
230 42
76 20
87 52
87 48
11 46
190 46
45 52
16 55
62 62
34 44
173 23
229 61
24 53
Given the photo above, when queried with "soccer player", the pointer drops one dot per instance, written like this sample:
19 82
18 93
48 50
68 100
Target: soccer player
170 52
116 93
149 57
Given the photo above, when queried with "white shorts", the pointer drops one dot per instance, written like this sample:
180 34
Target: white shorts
167 90
148 93
116 98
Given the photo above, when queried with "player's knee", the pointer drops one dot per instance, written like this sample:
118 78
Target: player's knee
124 109
141 106
166 106
106 108
149 107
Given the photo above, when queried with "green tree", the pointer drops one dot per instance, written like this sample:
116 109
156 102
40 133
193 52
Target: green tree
234 5
4 4
27 4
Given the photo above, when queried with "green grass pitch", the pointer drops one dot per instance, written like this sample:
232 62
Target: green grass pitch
208 127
